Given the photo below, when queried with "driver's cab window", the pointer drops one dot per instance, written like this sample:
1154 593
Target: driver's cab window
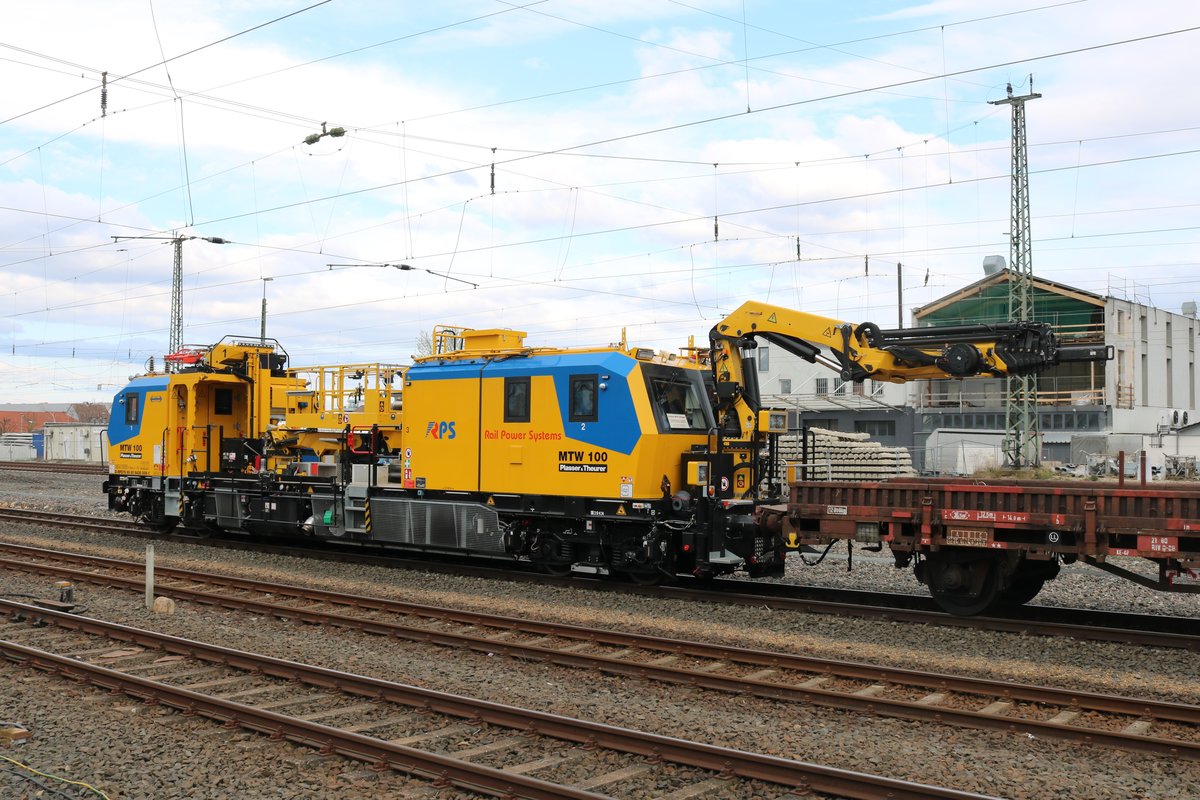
679 400
583 398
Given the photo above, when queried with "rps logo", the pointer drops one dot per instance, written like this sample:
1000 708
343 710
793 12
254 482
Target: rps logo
440 430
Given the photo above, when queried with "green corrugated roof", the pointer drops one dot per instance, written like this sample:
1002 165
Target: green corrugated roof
990 304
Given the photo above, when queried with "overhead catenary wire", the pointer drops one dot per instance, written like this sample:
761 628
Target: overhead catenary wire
165 61
573 189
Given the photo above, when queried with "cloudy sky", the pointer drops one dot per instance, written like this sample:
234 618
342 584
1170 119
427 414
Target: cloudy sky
564 167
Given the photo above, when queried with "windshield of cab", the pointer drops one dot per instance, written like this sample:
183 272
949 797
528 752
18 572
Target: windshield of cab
678 399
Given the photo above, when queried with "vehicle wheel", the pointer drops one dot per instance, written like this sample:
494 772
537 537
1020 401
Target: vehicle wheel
963 587
165 525
557 570
645 577
156 519
1022 591
1030 578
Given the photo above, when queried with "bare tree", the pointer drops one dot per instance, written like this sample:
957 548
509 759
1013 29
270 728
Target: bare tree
424 344
91 412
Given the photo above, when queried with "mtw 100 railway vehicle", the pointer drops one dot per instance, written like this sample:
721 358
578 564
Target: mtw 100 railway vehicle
611 460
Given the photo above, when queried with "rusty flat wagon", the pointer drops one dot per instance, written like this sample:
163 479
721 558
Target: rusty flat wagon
980 543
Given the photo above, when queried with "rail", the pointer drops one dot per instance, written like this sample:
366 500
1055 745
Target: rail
877 689
61 467
1076 623
721 760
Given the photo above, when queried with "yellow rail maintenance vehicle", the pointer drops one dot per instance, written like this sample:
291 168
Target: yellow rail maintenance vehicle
184 442
604 460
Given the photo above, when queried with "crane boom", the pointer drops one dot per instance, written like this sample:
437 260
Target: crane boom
858 352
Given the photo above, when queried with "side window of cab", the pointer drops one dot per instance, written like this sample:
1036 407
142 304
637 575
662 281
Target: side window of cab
516 399
132 408
583 398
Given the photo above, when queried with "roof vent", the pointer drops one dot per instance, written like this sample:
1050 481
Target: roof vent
993 265
1189 308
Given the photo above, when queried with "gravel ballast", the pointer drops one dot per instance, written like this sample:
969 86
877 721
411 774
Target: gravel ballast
67 725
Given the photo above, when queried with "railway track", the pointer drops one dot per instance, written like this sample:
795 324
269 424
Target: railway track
54 466
470 743
1083 624
1127 723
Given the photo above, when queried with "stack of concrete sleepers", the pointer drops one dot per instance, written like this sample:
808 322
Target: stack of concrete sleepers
842 456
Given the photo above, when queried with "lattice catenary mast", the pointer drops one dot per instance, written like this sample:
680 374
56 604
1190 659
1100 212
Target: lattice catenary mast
175 340
1021 419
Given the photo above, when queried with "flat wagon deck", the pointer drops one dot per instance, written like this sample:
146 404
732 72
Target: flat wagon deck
977 543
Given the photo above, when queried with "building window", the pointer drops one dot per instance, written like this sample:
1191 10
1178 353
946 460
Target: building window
516 399
764 359
1170 384
785 385
840 388
583 398
822 385
131 408
1145 380
857 388
875 427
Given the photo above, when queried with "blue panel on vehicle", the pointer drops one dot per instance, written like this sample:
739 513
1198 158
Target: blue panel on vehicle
616 427
443 370
118 429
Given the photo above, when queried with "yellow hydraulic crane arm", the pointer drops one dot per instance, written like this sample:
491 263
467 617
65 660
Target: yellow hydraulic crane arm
858 352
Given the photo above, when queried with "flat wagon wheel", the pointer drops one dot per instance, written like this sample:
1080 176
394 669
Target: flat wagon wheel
1028 581
1022 591
963 583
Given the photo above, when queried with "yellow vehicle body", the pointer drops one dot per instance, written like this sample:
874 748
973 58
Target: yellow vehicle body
550 423
172 424
235 407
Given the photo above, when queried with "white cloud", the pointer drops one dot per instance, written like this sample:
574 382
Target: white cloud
571 246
